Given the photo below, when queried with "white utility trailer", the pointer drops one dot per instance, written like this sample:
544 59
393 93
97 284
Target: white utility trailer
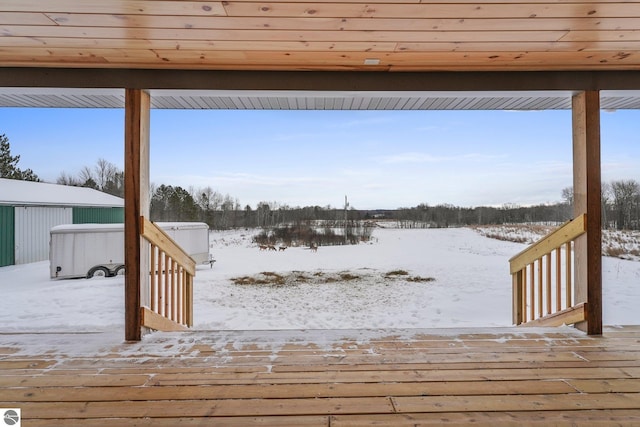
85 250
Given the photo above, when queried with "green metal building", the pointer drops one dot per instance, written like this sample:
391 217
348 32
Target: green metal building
28 210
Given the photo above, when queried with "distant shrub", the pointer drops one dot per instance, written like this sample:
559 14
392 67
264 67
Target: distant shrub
348 276
397 273
507 238
306 235
420 279
613 251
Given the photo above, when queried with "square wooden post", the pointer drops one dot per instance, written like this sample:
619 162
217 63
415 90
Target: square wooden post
587 194
137 204
519 307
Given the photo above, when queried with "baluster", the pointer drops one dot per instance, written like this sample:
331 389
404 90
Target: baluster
154 277
569 279
167 286
516 297
185 297
532 296
174 291
179 299
540 276
548 262
524 295
558 278
160 275
171 296
189 300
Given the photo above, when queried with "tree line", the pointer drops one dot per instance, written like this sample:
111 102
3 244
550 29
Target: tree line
620 210
620 204
103 176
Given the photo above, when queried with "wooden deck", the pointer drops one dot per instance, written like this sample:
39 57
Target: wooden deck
491 377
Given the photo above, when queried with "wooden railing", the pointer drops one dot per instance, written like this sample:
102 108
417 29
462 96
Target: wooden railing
171 282
543 285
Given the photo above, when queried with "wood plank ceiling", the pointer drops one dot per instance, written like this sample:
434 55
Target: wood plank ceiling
375 35
362 36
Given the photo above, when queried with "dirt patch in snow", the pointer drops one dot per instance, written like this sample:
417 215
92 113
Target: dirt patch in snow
292 278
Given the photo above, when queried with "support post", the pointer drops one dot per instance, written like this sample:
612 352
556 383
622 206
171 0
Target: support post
137 204
518 297
587 194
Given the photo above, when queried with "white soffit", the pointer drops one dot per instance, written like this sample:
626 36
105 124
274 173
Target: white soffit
311 100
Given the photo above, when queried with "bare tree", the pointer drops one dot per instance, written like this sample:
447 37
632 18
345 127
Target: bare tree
567 195
567 204
606 197
66 179
105 172
203 197
86 174
104 176
625 195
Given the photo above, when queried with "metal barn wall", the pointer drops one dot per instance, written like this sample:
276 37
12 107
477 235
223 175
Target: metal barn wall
98 215
7 234
32 226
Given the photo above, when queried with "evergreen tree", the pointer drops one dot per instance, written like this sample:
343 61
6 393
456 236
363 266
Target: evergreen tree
9 164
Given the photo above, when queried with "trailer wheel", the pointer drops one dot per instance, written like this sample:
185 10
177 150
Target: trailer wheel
119 270
98 272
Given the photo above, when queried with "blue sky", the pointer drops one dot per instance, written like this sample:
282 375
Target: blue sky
379 159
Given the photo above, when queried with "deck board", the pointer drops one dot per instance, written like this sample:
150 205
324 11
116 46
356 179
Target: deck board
327 378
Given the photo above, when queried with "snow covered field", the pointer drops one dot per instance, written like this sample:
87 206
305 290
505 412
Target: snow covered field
619 244
383 284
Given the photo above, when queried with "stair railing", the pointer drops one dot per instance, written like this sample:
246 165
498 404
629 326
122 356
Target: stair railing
171 282
543 285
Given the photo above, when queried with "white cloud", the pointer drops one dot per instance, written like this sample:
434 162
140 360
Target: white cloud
418 157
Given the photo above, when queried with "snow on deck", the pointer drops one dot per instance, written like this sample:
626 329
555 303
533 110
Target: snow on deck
484 376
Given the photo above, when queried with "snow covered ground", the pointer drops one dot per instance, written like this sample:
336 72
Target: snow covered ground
341 287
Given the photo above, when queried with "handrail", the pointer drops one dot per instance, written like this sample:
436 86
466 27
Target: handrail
567 232
171 282
157 236
533 276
